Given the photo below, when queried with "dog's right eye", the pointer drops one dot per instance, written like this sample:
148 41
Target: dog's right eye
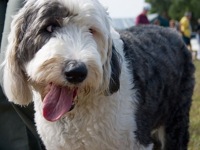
50 28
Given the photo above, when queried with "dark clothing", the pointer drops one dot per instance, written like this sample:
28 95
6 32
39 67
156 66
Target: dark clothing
3 4
198 28
14 134
17 127
186 40
198 31
141 19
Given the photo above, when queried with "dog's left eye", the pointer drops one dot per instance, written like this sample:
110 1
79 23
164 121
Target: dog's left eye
91 30
51 28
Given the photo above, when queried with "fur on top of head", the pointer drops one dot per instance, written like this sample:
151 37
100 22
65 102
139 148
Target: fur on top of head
45 35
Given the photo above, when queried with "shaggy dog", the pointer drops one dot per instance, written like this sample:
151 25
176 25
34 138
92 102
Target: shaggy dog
96 89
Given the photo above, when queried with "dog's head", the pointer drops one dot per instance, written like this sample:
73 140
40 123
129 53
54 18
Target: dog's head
60 48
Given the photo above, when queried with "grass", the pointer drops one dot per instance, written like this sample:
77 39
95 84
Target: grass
195 113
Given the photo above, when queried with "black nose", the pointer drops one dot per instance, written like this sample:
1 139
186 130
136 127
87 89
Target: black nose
75 72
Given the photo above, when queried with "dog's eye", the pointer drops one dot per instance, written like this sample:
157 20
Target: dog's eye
50 28
91 30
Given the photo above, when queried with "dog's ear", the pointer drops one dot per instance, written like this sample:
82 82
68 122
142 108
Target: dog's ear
112 70
15 82
115 64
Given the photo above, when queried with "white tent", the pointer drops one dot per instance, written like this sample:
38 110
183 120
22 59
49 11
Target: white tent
122 23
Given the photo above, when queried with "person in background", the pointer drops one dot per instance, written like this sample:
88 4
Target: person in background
185 29
142 18
198 39
17 127
156 22
172 24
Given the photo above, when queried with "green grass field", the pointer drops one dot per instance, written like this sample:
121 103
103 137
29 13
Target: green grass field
195 113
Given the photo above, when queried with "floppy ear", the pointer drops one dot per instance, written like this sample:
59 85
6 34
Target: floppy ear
115 64
15 82
112 70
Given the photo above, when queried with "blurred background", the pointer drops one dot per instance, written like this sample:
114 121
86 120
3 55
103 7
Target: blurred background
163 12
123 10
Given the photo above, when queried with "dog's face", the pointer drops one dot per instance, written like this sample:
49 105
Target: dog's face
59 48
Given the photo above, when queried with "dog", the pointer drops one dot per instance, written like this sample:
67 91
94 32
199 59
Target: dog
95 88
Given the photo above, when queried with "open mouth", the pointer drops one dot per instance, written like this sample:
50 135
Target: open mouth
58 101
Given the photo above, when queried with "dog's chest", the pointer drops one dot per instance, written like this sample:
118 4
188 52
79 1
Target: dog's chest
92 135
104 126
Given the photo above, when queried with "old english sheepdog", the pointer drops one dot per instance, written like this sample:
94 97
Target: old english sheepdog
95 88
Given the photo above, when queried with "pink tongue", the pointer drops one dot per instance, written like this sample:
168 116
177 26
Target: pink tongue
57 102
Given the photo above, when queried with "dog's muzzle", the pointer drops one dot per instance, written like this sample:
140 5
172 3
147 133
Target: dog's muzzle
75 72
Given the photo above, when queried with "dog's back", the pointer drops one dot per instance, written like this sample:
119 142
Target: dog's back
162 71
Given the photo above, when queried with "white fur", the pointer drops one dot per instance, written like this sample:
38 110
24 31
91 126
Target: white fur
98 122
